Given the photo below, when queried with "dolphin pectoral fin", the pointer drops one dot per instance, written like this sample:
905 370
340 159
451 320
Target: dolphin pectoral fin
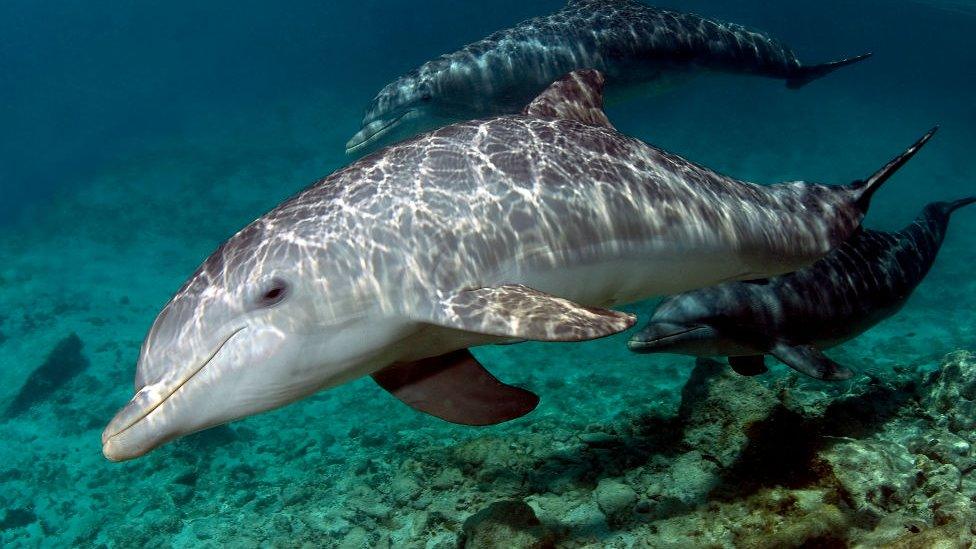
516 311
808 360
576 96
748 365
456 388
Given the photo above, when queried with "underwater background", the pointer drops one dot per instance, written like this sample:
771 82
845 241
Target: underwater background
136 137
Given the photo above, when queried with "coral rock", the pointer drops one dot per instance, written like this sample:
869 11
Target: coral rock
505 524
950 394
718 406
615 498
878 478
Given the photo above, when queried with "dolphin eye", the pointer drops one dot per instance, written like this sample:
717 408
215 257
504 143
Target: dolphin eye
273 294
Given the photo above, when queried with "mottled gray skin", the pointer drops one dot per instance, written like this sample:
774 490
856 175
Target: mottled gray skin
636 46
451 240
862 282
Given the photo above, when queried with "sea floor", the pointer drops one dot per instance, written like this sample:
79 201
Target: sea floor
618 454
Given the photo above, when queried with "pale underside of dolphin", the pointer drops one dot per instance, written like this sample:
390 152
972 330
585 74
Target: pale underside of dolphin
522 227
794 317
638 47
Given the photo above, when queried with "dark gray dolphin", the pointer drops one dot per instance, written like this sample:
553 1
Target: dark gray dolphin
636 46
793 317
522 227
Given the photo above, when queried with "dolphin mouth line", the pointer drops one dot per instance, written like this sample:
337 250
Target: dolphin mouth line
373 136
644 344
186 380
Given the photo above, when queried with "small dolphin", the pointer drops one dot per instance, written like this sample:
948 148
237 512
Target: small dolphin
795 316
522 227
636 46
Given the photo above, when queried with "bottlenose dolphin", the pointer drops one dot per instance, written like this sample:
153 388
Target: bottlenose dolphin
795 316
522 227
637 47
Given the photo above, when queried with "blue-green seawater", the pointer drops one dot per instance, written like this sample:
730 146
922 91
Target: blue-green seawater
136 137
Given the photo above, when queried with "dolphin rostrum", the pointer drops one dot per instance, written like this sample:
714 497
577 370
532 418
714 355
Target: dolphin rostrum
795 316
636 46
521 227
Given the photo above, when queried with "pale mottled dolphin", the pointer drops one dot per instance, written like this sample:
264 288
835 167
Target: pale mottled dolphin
795 316
636 46
520 227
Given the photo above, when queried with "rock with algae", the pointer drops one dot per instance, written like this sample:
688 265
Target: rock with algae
883 453
774 461
504 525
949 394
714 423
615 498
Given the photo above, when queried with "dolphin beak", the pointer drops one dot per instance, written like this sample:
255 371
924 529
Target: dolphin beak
662 337
129 435
371 134
149 420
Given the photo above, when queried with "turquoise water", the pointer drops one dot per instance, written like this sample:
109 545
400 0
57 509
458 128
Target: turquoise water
138 137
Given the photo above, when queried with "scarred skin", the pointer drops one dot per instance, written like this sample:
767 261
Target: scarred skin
638 47
454 239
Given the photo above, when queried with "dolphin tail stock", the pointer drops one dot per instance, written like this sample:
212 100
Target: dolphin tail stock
864 189
808 73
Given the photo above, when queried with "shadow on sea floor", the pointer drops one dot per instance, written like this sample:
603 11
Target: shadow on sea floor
827 465
783 450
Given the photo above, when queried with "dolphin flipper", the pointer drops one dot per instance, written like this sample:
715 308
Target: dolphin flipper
456 388
808 360
516 311
748 365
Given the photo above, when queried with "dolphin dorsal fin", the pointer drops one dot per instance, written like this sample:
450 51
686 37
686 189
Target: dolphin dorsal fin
576 96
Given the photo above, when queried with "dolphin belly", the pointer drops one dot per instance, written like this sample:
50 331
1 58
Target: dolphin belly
621 279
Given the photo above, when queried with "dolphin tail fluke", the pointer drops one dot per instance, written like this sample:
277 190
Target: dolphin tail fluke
865 189
940 212
806 74
961 203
